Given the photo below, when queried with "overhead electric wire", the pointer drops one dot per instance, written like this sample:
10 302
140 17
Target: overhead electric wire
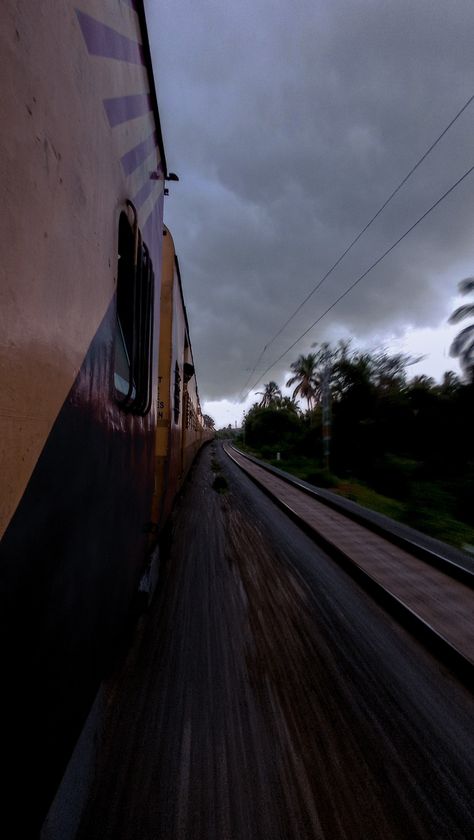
361 277
359 235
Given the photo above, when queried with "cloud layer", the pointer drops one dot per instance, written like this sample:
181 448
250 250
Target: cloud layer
289 125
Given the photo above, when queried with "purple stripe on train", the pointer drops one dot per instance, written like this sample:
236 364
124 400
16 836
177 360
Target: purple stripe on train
134 157
120 109
107 42
143 193
141 196
153 233
155 214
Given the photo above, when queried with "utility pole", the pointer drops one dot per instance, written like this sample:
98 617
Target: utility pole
326 412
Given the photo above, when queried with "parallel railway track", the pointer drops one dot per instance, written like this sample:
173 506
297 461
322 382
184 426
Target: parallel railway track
426 591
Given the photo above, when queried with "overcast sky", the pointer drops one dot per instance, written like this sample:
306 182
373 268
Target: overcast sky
289 124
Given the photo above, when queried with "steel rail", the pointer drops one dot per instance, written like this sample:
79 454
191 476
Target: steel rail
424 631
438 561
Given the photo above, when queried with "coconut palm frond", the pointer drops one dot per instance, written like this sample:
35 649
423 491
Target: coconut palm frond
463 344
271 395
462 340
467 285
468 355
305 377
465 311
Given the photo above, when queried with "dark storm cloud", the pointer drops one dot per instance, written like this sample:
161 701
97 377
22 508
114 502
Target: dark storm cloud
289 125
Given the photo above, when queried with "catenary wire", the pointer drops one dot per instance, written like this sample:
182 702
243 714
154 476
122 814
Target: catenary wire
361 277
359 235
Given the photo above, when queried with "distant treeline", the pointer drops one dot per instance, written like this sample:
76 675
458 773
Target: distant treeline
410 439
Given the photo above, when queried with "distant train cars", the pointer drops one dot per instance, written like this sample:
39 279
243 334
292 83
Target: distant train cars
180 428
99 408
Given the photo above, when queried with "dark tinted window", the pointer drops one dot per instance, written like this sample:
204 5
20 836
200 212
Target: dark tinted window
177 393
134 333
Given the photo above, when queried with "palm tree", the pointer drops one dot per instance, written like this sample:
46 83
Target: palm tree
422 383
271 396
450 383
289 404
308 385
352 375
463 344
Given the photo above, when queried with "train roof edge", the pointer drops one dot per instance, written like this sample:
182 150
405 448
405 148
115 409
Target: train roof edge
140 9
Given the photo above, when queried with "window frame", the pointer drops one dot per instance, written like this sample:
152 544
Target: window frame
135 321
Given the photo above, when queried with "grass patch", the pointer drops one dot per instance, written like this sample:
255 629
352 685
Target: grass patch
430 520
424 508
308 470
369 498
425 512
248 449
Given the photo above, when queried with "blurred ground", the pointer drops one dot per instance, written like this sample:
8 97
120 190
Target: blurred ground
267 697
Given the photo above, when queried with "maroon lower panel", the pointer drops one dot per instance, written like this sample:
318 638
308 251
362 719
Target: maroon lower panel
70 562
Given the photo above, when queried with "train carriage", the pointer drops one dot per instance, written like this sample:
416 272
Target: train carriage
181 430
83 172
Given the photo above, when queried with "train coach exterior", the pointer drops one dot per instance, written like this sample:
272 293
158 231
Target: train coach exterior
83 172
180 427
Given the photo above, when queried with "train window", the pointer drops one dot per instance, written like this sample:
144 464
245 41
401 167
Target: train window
134 330
124 329
186 408
177 392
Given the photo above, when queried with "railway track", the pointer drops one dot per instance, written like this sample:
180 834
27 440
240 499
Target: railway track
427 592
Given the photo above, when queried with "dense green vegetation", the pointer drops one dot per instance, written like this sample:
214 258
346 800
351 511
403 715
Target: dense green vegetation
403 447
